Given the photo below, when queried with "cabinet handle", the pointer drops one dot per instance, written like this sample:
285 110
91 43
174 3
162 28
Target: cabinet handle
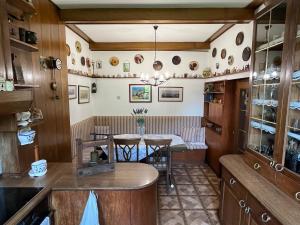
247 210
297 196
242 203
265 217
272 164
279 167
232 181
256 166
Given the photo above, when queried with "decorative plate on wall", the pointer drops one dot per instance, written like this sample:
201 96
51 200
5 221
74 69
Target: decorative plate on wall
138 58
68 50
114 61
78 46
176 60
223 53
82 60
246 54
88 62
214 53
194 65
230 60
157 65
239 38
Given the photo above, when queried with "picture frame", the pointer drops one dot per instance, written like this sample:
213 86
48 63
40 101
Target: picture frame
126 67
170 94
72 91
83 94
140 93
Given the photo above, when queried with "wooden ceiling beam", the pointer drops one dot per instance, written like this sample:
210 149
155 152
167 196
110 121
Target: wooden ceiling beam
148 46
219 32
255 4
157 15
79 32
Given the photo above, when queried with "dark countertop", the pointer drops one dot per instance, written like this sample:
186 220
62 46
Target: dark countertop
285 209
62 176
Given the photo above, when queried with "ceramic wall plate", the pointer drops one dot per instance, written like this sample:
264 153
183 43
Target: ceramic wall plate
214 53
78 46
157 65
82 60
246 54
138 58
68 50
176 60
114 61
230 60
88 62
223 53
239 38
194 65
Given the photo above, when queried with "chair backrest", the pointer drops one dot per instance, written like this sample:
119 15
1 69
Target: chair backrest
161 152
127 146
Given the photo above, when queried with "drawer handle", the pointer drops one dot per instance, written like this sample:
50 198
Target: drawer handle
265 217
256 166
279 167
247 210
297 196
232 181
242 203
272 164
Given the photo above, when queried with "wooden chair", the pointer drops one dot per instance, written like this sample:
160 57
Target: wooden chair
127 146
161 156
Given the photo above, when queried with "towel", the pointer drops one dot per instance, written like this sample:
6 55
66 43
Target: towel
90 214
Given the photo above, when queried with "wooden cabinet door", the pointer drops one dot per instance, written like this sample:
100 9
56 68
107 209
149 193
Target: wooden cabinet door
232 213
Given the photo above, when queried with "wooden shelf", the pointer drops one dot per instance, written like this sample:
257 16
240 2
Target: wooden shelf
22 45
23 5
15 101
261 120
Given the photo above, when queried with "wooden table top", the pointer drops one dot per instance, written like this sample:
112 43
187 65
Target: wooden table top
285 209
62 176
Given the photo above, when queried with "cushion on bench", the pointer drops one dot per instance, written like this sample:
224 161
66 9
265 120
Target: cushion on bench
196 145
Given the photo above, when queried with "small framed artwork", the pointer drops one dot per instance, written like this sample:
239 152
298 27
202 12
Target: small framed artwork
72 91
126 67
170 94
140 93
83 94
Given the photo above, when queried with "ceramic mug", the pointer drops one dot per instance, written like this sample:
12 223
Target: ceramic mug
39 166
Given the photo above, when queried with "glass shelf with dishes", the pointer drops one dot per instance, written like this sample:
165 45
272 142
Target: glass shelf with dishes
266 81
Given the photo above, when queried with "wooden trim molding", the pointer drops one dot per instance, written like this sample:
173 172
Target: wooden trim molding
219 32
148 46
157 15
255 4
79 32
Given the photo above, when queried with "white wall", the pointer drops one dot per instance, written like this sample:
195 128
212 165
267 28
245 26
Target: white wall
227 41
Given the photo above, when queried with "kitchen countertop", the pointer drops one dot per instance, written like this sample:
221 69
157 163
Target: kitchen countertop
62 176
285 209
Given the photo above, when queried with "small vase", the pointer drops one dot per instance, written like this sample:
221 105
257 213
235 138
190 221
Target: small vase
141 130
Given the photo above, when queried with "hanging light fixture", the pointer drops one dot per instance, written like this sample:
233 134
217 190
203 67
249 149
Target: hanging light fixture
156 79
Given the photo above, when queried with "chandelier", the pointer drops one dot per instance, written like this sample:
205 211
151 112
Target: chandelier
156 79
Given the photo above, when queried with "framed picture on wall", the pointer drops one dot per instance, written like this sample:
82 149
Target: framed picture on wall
83 94
72 90
140 93
170 94
126 67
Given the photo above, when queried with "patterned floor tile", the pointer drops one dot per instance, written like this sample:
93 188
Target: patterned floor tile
171 217
168 202
209 172
214 217
217 188
192 166
204 165
195 172
182 180
178 165
179 171
204 189
186 189
214 180
196 217
162 190
162 180
199 180
190 202
210 202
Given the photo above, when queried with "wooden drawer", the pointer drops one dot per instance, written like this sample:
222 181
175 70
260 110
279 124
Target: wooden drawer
290 184
235 186
259 213
264 168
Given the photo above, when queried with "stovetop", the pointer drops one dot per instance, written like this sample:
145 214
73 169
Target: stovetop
13 199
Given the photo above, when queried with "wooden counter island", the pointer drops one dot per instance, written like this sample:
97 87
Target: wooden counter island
127 196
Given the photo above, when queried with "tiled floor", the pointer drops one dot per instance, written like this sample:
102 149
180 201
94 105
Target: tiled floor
193 201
